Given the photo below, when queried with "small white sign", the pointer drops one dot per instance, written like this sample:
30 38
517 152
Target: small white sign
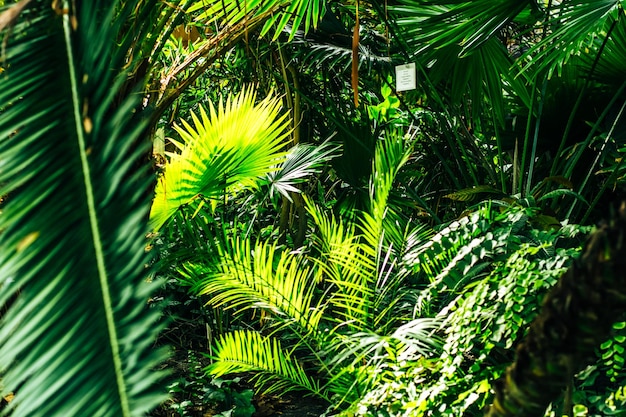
406 77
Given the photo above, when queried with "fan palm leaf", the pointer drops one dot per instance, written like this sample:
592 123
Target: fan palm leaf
458 42
75 338
573 28
300 163
232 149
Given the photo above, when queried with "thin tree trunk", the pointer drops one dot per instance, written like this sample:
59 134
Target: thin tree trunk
576 317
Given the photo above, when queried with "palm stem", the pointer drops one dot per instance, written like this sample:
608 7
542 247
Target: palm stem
579 99
533 151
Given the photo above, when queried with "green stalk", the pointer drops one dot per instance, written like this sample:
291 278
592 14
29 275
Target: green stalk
579 99
527 138
585 144
591 169
531 166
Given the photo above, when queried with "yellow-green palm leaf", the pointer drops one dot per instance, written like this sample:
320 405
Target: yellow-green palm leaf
276 370
225 151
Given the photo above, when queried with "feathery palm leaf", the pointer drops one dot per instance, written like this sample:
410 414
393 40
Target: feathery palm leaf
411 340
239 144
346 264
277 371
76 336
260 277
390 155
358 355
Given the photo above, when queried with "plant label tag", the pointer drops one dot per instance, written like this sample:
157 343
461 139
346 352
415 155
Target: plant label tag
406 77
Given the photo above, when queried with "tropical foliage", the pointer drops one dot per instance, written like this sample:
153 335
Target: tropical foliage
488 274
76 330
311 228
342 299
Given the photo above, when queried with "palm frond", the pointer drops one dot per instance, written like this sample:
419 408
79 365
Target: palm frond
76 336
611 63
408 342
232 149
354 357
260 277
300 162
347 265
279 13
276 370
574 26
336 242
458 42
390 155
469 194
460 23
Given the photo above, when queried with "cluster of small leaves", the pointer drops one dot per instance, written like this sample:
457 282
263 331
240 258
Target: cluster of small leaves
613 352
600 389
198 393
492 269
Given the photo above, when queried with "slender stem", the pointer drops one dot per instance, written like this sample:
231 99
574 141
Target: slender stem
579 99
595 162
585 144
533 153
527 138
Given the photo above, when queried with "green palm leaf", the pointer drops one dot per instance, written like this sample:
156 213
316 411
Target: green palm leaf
301 162
232 149
277 12
577 24
458 42
260 277
390 155
277 371
346 264
75 338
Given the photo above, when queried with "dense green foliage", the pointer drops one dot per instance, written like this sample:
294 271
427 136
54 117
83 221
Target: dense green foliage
383 251
488 273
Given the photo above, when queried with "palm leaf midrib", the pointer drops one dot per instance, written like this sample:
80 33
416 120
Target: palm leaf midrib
71 248
81 123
